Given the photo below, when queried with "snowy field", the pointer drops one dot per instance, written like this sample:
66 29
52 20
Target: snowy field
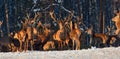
94 53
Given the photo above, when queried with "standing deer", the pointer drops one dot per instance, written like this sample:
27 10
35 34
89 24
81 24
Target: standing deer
56 36
75 34
116 19
20 35
30 31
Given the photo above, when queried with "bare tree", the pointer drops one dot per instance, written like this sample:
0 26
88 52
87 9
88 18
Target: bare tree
102 16
7 21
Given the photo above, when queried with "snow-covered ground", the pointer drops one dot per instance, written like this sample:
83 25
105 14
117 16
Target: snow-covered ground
94 53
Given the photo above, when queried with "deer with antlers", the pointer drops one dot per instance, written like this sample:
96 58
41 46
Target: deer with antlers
20 35
116 19
59 35
75 34
56 36
30 31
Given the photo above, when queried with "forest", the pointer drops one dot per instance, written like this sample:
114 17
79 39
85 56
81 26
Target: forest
93 12
16 15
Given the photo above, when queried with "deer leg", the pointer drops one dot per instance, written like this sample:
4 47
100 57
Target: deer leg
27 44
64 44
31 43
20 48
60 45
67 44
90 40
77 44
73 44
10 47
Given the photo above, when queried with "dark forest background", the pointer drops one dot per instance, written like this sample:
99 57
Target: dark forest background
97 13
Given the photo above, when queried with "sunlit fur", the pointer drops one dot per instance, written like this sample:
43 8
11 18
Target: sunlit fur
43 37
74 35
102 36
21 37
56 36
116 19
112 40
49 46
29 32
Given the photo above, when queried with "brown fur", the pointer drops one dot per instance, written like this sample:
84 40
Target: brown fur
29 32
42 37
102 36
49 45
21 37
112 40
74 35
56 36
116 19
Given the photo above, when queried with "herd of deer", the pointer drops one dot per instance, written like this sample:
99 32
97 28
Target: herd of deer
68 36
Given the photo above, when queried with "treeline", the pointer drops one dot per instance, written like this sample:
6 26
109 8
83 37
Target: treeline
97 13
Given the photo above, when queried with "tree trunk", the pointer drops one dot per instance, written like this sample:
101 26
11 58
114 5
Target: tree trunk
51 6
79 10
7 21
101 16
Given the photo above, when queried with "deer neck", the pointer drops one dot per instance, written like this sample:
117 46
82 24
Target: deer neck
76 27
60 26
47 31
71 25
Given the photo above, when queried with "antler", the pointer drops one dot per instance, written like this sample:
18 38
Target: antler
28 16
35 16
52 15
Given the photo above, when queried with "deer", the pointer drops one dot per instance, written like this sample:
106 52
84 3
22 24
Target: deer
50 45
104 38
75 34
44 35
113 40
60 32
21 36
10 43
89 32
30 31
56 36
116 19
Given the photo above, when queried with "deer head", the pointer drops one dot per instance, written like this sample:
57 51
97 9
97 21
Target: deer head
71 25
60 24
89 30
116 18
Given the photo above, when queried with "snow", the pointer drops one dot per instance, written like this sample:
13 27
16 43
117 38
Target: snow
93 53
